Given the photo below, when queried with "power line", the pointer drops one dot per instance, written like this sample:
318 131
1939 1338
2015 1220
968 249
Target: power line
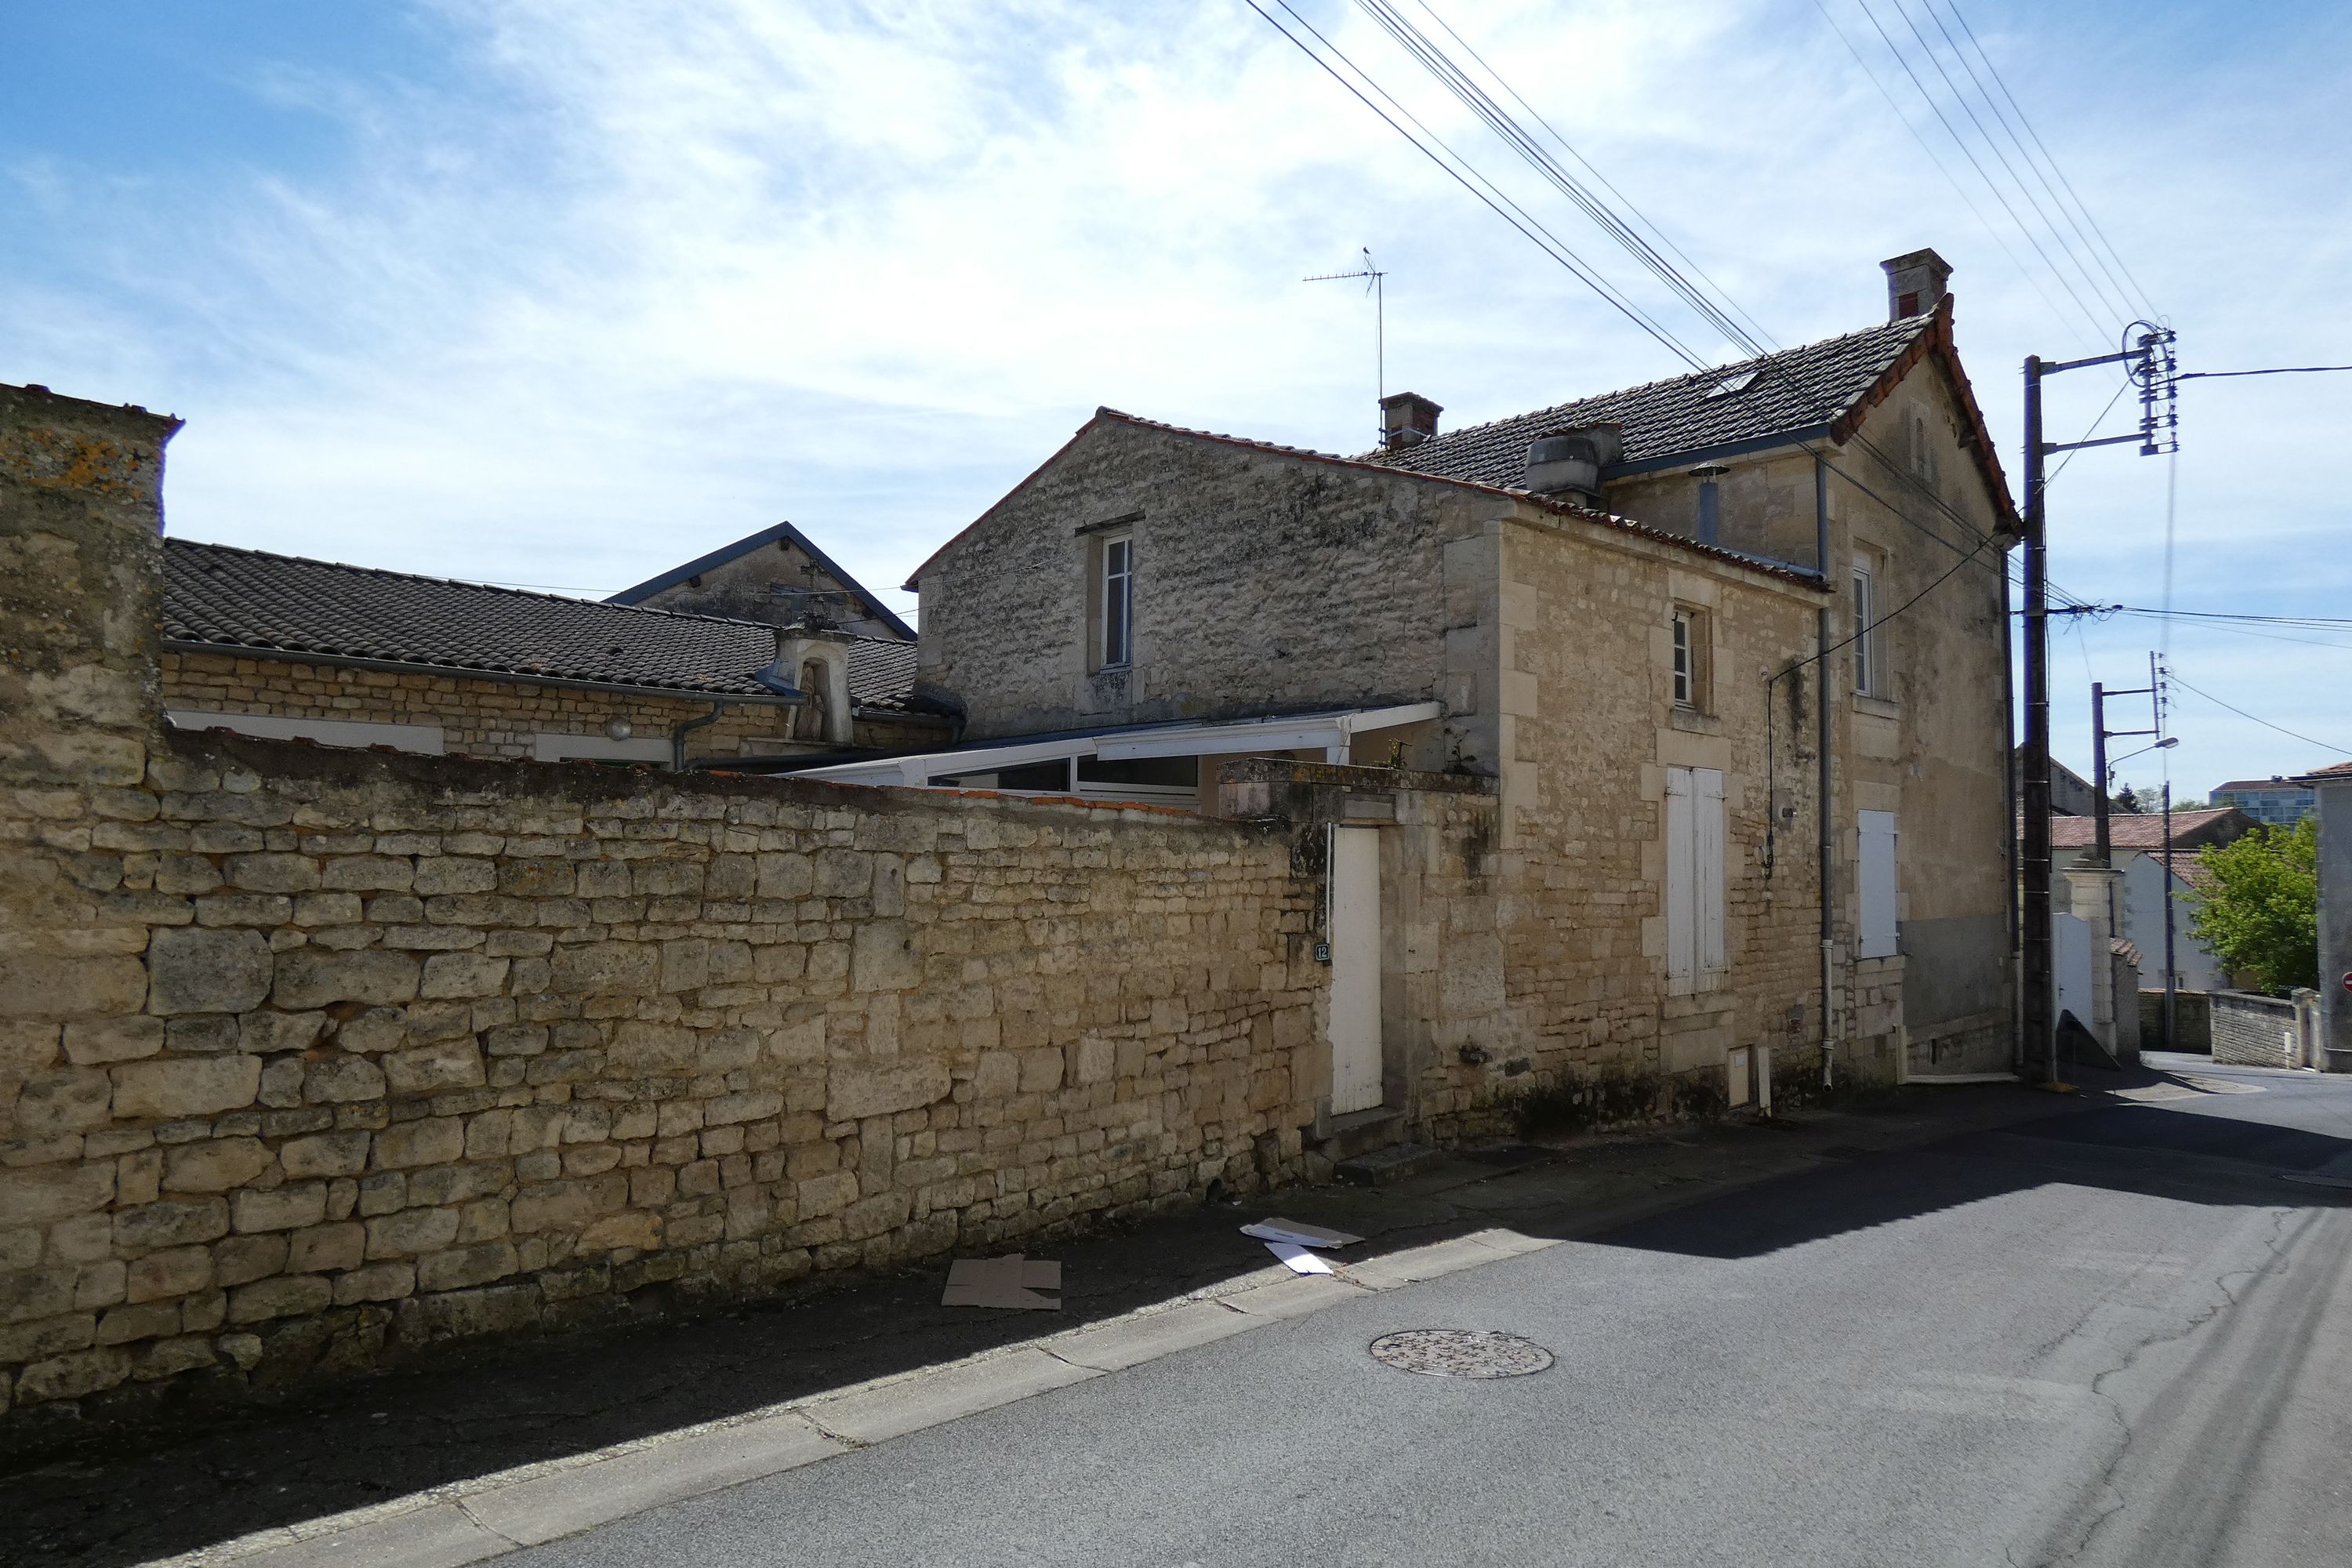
2001 157
2121 387
1456 80
1944 169
2016 141
2174 677
2098 327
2283 370
1550 243
1994 71
1565 146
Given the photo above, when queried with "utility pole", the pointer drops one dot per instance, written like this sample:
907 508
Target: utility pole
2100 736
2150 359
2156 672
2039 979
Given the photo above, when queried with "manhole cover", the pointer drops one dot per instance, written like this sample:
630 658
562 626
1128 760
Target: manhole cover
1460 1352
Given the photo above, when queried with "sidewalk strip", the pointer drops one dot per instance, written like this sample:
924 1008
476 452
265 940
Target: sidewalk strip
875 1413
585 1496
471 1520
1122 1342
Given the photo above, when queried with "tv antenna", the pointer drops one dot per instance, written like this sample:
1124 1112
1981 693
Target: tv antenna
1372 276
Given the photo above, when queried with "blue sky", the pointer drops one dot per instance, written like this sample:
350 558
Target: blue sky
561 294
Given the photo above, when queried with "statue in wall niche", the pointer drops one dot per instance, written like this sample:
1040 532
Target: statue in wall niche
811 720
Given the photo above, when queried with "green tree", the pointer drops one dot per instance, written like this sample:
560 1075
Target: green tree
2260 914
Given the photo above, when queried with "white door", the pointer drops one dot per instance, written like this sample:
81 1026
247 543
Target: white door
1355 937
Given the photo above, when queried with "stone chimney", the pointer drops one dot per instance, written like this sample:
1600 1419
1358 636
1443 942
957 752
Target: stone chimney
1916 284
1407 419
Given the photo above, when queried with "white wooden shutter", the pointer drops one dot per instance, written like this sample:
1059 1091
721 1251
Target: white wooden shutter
1879 935
1682 935
1706 872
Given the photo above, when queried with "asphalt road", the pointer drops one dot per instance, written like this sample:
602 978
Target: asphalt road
2118 1336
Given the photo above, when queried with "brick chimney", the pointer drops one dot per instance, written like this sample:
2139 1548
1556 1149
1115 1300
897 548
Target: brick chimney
1407 419
1916 284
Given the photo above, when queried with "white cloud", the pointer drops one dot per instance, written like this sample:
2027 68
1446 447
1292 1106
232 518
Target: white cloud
622 282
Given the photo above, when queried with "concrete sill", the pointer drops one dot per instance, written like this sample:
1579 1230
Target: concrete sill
1881 707
1692 722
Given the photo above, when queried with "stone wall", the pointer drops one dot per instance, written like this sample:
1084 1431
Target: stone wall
1590 722
2252 1031
1261 583
308 1057
2193 1013
493 718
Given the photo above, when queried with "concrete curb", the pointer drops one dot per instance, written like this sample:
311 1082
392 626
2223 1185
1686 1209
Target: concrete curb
471 1521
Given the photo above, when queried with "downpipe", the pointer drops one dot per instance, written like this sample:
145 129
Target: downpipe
678 733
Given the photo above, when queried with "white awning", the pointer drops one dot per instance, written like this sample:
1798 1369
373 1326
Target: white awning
1328 732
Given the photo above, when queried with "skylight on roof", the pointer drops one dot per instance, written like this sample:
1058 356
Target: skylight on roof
1731 384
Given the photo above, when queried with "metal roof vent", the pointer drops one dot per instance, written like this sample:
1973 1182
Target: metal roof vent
1564 465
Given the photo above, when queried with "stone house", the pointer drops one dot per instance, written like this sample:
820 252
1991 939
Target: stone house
778 575
287 647
1732 646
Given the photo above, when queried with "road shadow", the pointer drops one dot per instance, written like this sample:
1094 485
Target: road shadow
2202 1147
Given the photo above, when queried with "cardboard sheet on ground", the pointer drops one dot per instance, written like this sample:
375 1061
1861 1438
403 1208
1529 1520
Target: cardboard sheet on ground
1010 1281
1299 1232
1302 1260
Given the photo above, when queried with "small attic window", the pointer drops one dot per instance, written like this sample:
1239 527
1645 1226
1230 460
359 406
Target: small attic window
1731 385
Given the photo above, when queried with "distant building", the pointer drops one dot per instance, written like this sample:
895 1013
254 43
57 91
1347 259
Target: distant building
777 575
2071 794
2276 801
2138 847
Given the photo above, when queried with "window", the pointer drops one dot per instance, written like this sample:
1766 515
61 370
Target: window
1693 893
1690 649
1923 450
1869 679
1877 890
1734 384
1116 649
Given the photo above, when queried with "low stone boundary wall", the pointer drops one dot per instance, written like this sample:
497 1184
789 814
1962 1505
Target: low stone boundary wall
2254 1031
2192 1015
392 1050
311 1056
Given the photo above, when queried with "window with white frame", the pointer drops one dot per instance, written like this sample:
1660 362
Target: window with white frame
1869 679
1690 657
1116 599
1694 892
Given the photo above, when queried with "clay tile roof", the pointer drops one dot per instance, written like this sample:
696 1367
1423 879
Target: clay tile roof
217 598
2128 831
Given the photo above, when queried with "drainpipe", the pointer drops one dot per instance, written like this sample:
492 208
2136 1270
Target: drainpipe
1825 684
678 734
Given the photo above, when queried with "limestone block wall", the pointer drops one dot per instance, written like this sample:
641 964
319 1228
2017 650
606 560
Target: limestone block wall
393 1049
490 718
1261 581
2252 1030
308 1057
1594 725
